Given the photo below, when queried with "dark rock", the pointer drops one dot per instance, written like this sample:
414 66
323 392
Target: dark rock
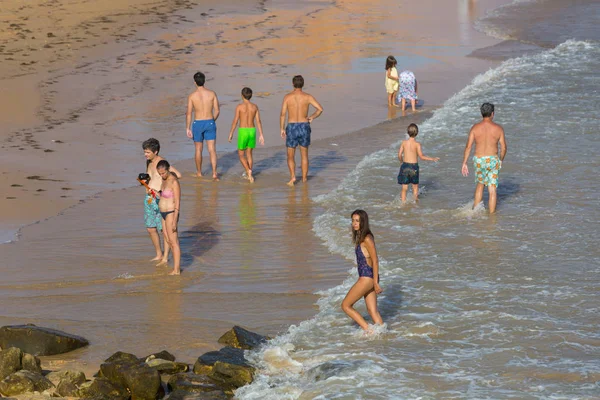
167 367
67 375
327 370
241 338
120 357
163 355
67 389
10 361
183 395
232 375
31 363
102 389
192 383
22 382
228 355
142 381
39 341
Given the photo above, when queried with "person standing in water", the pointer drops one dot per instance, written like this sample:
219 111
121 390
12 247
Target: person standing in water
367 285
486 135
203 103
409 153
391 79
246 113
152 217
297 132
170 198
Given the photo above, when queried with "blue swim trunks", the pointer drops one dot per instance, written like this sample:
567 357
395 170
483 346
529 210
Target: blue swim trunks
409 173
297 134
204 129
151 213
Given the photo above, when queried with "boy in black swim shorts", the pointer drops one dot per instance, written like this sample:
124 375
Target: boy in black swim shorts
409 153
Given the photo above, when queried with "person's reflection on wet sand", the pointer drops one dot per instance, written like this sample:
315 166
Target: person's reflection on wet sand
247 214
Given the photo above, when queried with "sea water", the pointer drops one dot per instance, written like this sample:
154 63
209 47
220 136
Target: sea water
475 306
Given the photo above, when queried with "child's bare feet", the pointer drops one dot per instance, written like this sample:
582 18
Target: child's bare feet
215 178
175 272
292 182
161 262
250 176
158 257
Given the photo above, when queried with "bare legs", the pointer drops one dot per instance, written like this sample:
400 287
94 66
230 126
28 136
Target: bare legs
246 160
415 190
171 236
165 256
391 97
153 232
291 161
198 157
479 196
212 152
362 288
413 104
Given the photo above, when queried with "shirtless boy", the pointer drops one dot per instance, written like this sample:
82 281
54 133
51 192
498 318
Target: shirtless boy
297 132
205 106
487 163
246 113
409 153
152 215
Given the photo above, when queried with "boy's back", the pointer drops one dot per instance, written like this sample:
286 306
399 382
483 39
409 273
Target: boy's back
411 149
247 112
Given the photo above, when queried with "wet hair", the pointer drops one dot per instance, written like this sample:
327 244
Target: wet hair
247 93
487 109
199 78
298 81
390 62
412 130
163 164
363 231
151 144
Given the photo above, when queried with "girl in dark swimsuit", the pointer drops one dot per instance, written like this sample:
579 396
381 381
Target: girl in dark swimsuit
367 285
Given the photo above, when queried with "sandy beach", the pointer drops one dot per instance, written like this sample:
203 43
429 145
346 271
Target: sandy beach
84 86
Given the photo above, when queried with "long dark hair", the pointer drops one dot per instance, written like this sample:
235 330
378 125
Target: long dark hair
363 231
390 62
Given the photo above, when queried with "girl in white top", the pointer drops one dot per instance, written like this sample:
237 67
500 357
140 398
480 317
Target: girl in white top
391 79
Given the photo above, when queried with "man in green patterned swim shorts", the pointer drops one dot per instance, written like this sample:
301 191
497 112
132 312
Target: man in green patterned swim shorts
246 114
487 162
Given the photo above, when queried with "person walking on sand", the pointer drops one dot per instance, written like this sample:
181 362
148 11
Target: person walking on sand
391 79
170 198
367 285
297 132
246 114
203 103
152 217
486 135
409 153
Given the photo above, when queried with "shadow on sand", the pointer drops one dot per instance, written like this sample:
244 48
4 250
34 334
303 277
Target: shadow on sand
196 241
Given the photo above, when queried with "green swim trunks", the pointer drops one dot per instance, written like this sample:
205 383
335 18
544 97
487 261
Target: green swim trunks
246 138
486 170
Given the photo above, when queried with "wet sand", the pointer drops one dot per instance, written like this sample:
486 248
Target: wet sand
250 257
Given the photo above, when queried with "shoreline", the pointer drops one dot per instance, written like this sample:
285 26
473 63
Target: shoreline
66 183
292 207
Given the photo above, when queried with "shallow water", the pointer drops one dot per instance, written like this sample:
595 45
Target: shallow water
475 306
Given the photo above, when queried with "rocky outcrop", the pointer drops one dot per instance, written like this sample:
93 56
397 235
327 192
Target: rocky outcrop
142 381
10 361
31 363
39 341
183 395
241 338
23 382
102 389
227 366
167 367
67 389
192 383
67 375
163 355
